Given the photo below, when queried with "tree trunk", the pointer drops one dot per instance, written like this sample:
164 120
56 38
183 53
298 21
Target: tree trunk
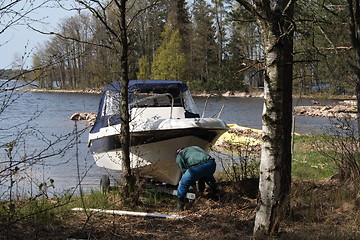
358 104
354 24
357 92
125 131
119 45
275 21
275 167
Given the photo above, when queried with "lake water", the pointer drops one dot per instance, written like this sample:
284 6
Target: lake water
42 121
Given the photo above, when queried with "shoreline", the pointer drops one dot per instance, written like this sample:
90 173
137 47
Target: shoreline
96 91
225 94
92 91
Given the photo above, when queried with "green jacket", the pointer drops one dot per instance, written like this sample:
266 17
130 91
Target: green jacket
191 157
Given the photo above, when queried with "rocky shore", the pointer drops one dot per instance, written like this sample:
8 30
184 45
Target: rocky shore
98 91
345 109
93 91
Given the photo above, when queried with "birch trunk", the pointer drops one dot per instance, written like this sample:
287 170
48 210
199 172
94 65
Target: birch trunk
275 167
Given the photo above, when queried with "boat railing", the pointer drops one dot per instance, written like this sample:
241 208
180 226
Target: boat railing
205 107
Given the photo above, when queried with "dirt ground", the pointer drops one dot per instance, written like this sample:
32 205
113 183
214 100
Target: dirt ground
315 214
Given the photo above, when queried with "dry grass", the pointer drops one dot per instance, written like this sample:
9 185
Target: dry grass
320 210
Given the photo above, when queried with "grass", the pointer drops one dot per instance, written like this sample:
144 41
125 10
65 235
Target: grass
320 209
309 161
312 165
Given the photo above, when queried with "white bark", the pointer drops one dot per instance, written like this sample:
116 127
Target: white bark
267 217
275 166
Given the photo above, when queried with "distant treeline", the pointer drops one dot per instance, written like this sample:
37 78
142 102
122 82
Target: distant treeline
212 45
9 74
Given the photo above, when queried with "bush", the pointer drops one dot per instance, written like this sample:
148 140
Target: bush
342 146
241 159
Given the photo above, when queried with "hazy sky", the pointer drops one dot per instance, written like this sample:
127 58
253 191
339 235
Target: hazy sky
20 40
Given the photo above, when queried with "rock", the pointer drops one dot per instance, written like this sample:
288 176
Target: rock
84 116
76 117
229 93
325 108
314 102
337 111
349 102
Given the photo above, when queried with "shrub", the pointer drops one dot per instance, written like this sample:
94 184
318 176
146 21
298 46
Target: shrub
342 146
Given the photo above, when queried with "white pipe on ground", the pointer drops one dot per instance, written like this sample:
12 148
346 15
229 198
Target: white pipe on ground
118 212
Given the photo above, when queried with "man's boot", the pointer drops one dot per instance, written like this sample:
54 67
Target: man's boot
200 188
180 204
201 185
214 192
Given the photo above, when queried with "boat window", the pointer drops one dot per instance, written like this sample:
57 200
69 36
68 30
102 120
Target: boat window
189 103
151 100
111 104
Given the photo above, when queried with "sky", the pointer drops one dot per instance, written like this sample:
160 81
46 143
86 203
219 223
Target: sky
20 40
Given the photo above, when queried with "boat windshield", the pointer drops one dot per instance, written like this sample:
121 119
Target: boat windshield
189 103
154 100
111 104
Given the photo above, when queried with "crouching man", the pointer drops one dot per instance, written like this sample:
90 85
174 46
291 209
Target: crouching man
195 165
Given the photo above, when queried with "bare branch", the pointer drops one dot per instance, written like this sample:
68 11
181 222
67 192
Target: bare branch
69 38
101 17
140 11
251 8
288 6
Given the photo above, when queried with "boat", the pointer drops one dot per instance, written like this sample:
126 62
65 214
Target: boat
163 118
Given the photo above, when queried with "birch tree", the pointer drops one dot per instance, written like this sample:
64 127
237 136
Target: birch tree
275 20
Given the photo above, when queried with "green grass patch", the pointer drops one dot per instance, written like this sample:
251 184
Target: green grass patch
312 159
312 165
97 199
39 210
311 162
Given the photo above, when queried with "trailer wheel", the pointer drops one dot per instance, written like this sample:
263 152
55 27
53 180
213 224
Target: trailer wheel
104 183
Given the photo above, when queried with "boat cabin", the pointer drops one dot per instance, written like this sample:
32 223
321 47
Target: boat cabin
148 100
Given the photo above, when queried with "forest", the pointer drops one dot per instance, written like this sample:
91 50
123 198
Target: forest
212 45
282 46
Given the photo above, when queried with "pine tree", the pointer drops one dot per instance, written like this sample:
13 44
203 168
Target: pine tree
147 33
244 51
179 19
204 47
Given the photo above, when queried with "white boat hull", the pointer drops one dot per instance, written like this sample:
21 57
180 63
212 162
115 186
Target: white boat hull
163 118
152 150
153 160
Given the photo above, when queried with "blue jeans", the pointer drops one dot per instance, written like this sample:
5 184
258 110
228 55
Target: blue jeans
189 178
